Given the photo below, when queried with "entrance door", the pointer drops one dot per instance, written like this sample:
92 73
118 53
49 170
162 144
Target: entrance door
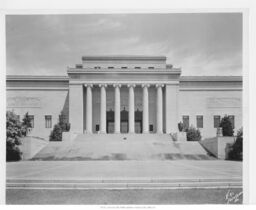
124 127
138 127
110 127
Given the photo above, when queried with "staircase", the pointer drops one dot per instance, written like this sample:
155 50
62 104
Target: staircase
123 147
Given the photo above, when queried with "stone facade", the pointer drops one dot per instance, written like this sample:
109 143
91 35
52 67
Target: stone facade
143 94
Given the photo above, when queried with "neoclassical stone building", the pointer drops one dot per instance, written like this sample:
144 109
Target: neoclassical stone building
126 94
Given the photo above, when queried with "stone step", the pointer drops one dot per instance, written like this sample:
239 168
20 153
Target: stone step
122 184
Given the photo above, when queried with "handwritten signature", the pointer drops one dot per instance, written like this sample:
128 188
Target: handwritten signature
232 197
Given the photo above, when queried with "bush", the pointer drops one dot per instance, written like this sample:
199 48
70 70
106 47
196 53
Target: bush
56 134
181 126
236 152
61 126
26 123
226 125
193 134
14 131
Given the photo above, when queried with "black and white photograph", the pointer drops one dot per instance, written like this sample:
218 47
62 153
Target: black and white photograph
124 108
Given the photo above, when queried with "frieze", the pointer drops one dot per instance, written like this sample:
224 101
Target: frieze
224 102
33 102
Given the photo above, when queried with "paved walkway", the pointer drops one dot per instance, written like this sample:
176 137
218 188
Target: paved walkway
75 170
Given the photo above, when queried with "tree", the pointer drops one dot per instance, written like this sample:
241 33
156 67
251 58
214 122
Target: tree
14 131
26 123
61 126
62 123
226 125
236 152
56 134
193 134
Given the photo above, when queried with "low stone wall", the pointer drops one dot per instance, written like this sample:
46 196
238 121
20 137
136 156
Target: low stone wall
30 146
218 146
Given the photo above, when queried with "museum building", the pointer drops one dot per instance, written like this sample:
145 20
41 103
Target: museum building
126 94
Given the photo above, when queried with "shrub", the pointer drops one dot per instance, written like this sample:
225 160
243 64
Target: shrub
236 152
26 123
61 126
56 134
226 125
181 126
193 134
14 131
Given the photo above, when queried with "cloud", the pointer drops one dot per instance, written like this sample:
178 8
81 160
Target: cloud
202 44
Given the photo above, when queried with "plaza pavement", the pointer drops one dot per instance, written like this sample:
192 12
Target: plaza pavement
124 170
123 182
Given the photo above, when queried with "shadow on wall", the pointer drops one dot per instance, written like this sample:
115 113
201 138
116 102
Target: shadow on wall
65 109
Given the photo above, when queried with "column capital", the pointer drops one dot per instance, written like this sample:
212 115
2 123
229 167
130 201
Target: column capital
131 85
145 85
117 85
103 85
88 85
159 85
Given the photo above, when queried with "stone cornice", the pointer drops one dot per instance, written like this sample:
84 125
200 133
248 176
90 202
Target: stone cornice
36 78
211 78
127 57
124 71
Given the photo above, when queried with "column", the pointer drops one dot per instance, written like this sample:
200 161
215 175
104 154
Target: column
131 108
76 108
89 108
103 103
117 108
159 112
145 108
171 107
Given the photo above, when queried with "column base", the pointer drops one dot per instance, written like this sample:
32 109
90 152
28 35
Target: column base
117 132
145 132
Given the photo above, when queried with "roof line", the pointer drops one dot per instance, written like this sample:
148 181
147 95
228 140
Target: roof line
123 57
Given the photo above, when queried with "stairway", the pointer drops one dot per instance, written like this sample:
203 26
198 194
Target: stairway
123 147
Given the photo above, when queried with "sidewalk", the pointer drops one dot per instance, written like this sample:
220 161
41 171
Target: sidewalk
75 170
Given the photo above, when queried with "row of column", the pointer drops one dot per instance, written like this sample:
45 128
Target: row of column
159 112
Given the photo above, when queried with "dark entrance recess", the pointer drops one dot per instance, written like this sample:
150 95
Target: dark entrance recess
124 125
110 121
124 121
138 121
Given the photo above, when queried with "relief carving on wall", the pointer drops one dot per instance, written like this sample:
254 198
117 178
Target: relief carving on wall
31 102
224 102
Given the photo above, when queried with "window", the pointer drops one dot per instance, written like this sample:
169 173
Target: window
48 121
137 67
232 120
97 127
199 121
185 120
31 117
151 128
151 67
110 67
97 67
216 120
124 67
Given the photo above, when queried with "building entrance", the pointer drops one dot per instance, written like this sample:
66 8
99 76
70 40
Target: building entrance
124 125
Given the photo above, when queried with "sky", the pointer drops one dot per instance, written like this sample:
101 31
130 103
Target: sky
199 44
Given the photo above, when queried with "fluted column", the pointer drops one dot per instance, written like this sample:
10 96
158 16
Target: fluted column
89 108
159 112
145 108
117 108
131 108
103 105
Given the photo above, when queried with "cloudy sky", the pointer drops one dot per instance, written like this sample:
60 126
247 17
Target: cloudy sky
201 44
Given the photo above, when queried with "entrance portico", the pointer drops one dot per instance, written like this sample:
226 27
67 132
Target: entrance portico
123 100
